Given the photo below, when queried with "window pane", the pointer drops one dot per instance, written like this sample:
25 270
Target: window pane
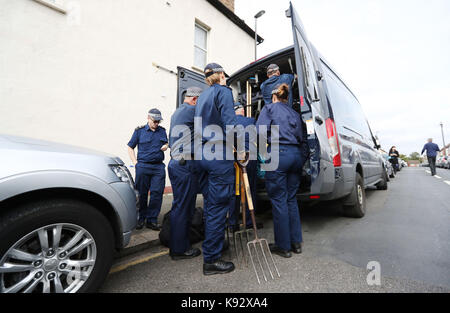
347 110
199 58
200 37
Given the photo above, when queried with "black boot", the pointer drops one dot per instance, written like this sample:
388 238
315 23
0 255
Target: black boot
153 226
277 250
140 225
190 254
297 248
217 267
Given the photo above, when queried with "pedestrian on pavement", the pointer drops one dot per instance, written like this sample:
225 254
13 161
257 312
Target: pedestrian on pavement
432 150
213 113
394 155
282 184
183 176
252 170
151 140
275 78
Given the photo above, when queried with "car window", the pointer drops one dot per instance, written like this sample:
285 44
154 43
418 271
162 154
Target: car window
346 108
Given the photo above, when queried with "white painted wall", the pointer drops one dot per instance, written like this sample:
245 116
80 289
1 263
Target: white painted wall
89 80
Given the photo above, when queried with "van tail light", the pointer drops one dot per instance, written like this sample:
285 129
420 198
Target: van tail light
334 142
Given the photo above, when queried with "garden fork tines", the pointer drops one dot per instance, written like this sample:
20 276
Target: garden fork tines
259 246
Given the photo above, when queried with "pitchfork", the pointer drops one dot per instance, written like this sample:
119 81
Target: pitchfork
259 244
243 233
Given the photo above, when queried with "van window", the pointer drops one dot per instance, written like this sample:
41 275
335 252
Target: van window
346 108
308 70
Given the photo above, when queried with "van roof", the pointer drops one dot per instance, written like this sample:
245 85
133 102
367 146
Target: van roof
279 53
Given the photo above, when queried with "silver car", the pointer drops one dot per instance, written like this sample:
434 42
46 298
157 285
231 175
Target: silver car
64 211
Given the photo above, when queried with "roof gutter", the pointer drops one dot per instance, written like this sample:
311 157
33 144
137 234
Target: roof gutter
235 19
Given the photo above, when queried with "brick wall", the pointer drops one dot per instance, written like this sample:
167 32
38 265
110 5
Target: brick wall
229 4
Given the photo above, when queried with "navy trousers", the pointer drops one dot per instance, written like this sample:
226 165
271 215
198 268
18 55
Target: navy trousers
150 177
184 185
282 186
233 219
219 199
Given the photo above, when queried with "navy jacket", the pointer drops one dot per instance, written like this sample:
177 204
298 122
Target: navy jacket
181 142
289 123
432 149
149 144
215 109
271 83
246 121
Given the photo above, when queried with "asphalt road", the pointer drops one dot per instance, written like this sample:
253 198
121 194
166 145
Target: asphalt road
406 229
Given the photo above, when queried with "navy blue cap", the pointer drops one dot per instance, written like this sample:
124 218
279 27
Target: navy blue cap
272 68
155 114
193 92
213 68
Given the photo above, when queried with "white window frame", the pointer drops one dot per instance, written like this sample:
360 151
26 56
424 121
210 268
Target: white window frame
206 29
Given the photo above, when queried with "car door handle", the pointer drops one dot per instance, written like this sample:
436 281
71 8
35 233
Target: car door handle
319 120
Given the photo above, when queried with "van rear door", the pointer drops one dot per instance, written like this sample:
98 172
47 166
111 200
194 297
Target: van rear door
186 79
321 131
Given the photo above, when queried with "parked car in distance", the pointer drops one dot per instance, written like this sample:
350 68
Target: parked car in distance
440 161
388 165
64 211
445 162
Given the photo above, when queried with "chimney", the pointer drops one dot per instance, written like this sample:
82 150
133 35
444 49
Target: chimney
229 4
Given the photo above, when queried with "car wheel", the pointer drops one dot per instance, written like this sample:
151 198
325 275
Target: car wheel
54 246
383 185
355 203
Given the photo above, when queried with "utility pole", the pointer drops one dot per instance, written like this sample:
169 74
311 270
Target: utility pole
443 139
257 16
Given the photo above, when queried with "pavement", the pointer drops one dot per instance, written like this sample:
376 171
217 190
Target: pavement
406 230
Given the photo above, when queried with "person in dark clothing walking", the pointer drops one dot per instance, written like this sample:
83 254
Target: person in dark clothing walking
432 150
394 154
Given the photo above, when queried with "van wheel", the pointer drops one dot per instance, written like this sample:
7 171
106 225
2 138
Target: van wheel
383 185
355 202
54 246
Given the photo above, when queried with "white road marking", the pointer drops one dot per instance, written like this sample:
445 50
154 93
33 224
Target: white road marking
447 182
437 176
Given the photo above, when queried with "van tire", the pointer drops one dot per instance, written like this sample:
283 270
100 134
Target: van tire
355 202
23 220
383 185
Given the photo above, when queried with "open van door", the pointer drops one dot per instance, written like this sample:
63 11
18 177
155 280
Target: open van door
320 129
186 79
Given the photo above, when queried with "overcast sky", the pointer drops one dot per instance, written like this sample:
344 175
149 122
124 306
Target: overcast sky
393 54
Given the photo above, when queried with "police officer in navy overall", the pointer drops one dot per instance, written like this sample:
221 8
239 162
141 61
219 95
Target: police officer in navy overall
183 176
213 113
250 142
275 78
152 142
282 184
432 150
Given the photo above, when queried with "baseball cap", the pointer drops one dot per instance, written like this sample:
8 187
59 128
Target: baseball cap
215 68
272 68
193 92
155 114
